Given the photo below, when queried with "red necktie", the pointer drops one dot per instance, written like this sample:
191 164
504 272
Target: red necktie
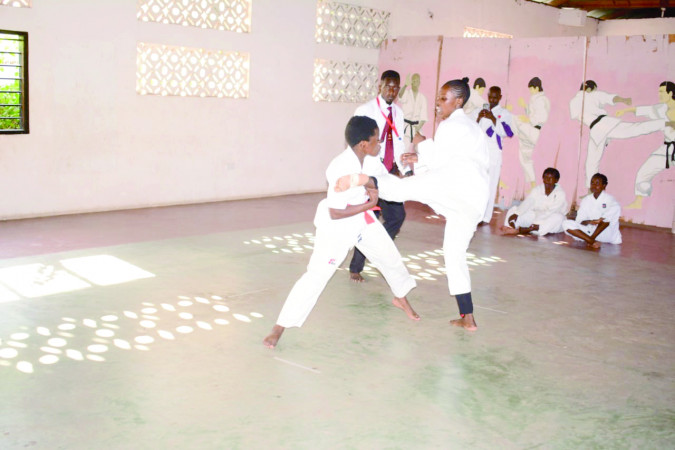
388 143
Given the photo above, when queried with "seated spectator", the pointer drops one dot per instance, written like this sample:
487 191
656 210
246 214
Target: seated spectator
542 212
598 217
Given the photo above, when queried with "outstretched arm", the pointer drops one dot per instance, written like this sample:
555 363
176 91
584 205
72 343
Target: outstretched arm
625 100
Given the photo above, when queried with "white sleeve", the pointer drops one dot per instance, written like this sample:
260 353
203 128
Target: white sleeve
539 111
657 111
504 128
613 211
606 98
582 213
575 107
526 205
339 200
424 116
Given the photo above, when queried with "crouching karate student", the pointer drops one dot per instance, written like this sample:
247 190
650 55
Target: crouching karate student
598 216
542 212
451 176
342 220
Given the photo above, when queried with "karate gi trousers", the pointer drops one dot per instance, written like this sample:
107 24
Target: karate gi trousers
334 239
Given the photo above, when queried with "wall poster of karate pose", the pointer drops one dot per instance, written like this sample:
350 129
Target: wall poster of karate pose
416 60
541 71
628 108
581 105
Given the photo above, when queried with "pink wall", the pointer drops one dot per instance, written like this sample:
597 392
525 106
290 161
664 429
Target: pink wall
625 66
558 62
474 58
632 67
409 55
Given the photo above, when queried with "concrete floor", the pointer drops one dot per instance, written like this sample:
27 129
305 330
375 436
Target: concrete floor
142 330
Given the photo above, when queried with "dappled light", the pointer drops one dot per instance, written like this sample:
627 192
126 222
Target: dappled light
424 266
94 338
39 280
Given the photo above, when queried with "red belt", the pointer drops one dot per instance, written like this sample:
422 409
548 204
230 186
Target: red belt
368 217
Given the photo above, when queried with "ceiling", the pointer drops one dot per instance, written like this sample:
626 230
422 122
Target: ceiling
617 9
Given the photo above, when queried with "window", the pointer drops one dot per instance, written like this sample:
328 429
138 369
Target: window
340 81
16 3
477 32
191 72
343 24
230 15
13 82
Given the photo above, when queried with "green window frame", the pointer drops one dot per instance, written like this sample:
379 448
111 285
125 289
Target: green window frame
13 82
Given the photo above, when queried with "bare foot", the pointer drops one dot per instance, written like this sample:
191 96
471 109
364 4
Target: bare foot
595 244
402 303
508 231
356 277
465 322
271 340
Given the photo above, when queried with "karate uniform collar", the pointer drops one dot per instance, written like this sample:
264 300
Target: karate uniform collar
458 112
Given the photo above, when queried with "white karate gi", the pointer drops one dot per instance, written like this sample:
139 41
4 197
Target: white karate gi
334 239
474 104
605 129
496 134
379 114
547 211
451 176
414 109
528 134
656 162
604 206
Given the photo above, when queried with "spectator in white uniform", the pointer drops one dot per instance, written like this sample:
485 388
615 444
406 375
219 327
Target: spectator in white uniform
343 220
414 105
451 176
528 126
598 216
664 157
496 122
476 100
604 128
542 212
390 120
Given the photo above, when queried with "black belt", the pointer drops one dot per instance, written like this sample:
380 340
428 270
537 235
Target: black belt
597 119
672 155
411 123
538 127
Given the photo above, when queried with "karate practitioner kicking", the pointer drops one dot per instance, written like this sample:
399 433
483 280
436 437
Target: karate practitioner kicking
604 128
542 212
342 220
664 156
528 126
451 176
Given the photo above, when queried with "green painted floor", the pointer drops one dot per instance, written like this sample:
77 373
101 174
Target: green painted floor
158 345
